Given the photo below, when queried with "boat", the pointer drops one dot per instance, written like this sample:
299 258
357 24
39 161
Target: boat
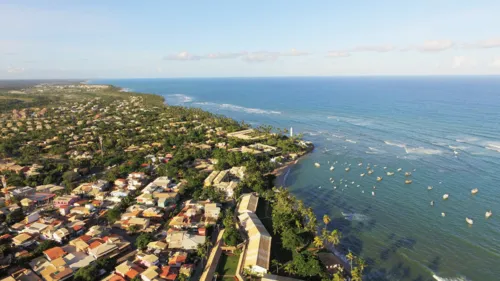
332 168
407 174
373 193
352 182
399 169
390 173
474 191
362 175
374 166
360 164
443 214
370 172
432 203
317 165
408 181
385 168
429 187
445 196
347 169
469 221
488 214
379 178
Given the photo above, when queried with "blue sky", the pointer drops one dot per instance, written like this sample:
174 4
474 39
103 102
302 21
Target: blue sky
124 39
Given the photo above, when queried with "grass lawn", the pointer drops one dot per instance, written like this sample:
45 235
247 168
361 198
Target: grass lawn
227 266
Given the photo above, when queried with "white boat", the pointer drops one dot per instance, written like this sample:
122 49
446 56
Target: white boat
347 169
432 203
334 187
445 196
317 165
399 169
443 214
379 178
373 193
488 214
429 187
352 182
390 173
360 164
385 168
469 221
319 187
407 174
408 181
362 175
370 172
362 191
374 166
474 191
332 168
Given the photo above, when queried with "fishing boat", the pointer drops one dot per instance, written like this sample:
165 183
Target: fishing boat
399 169
317 165
370 172
432 203
332 168
362 175
443 214
385 168
474 191
347 169
408 181
379 178
469 221
390 173
407 174
445 196
373 193
429 187
488 214
360 164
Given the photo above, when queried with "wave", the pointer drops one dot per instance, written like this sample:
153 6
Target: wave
495 146
232 107
351 141
423 150
373 150
126 90
355 217
402 145
352 121
179 98
459 278
467 139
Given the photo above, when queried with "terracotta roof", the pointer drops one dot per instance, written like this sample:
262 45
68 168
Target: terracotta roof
77 227
133 272
85 238
54 253
95 244
169 273
116 277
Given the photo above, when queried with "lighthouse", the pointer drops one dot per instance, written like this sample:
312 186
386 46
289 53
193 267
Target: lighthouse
291 131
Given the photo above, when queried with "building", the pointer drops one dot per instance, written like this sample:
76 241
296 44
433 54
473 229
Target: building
23 239
66 200
258 250
54 253
212 211
248 203
184 240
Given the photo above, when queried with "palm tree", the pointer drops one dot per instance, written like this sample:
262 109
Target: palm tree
289 268
338 276
356 274
350 256
318 242
202 250
334 237
277 264
326 219
361 264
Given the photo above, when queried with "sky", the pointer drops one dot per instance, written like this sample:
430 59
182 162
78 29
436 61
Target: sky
89 39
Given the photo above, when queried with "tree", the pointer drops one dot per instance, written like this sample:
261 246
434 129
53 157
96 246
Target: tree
87 273
334 237
338 276
350 256
356 274
113 215
45 245
291 240
318 242
277 264
326 220
202 250
361 264
133 228
181 277
143 240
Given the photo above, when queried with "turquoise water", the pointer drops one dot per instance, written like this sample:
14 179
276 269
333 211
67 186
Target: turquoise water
444 130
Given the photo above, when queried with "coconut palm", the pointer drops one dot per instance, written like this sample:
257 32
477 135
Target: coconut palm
356 274
318 242
361 264
334 237
350 256
326 219
277 264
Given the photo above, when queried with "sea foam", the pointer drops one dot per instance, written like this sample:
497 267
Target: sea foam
232 107
402 145
179 98
423 151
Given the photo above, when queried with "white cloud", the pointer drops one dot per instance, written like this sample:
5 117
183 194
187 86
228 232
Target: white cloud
435 45
294 52
182 56
338 54
12 69
373 48
496 62
489 43
463 61
261 56
224 55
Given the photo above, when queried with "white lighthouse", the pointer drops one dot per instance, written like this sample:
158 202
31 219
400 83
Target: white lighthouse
291 131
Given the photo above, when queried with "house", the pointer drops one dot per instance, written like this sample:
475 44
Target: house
212 211
120 183
186 269
54 253
35 228
178 259
157 245
32 217
22 192
210 179
61 235
119 193
100 185
150 274
169 273
66 200
248 203
152 212
146 199
258 250
102 250
150 260
142 223
80 210
128 270
184 240
23 274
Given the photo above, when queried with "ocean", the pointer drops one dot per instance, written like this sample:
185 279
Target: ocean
444 130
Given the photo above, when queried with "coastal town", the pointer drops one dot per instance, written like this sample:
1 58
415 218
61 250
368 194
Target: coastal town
101 184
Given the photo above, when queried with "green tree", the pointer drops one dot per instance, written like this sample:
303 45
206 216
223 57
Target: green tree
133 228
143 240
318 242
326 220
87 273
350 256
334 237
113 215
